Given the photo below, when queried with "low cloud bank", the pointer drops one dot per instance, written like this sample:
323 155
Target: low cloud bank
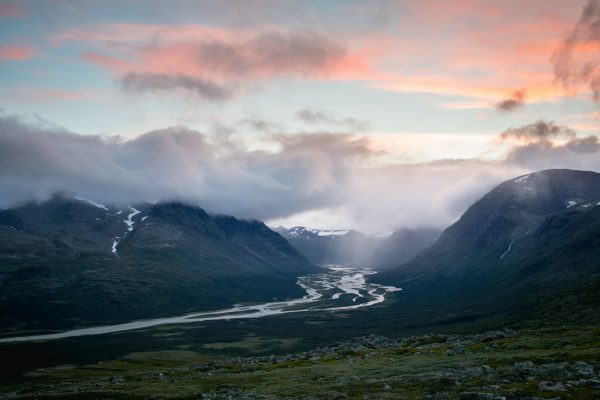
312 173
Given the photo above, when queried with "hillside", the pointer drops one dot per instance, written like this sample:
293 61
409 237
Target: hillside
68 262
530 246
402 246
494 365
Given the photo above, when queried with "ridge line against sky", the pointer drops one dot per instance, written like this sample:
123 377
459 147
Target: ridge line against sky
296 112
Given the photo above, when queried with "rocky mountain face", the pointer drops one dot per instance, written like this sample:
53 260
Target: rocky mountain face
534 239
67 261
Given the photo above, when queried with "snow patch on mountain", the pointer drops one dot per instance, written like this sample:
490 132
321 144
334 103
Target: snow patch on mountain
525 181
114 245
129 222
301 232
508 250
522 179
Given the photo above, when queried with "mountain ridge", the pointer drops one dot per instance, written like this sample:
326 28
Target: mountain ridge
524 243
58 262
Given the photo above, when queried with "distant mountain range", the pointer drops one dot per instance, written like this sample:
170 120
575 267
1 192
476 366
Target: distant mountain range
68 262
531 245
343 247
350 247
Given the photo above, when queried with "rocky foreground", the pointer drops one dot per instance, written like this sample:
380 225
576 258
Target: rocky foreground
561 363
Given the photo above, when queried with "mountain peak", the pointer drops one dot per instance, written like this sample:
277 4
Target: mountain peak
548 191
491 229
301 232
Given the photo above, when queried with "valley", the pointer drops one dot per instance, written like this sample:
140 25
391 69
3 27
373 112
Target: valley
300 200
166 300
337 289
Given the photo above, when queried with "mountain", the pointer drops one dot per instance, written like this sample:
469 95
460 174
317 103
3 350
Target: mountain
342 247
68 262
349 247
531 244
402 246
300 232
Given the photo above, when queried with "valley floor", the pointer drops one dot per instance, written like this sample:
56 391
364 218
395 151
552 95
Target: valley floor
544 363
334 289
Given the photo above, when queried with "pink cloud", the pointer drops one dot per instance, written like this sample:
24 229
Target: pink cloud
110 62
258 57
15 52
216 63
476 49
481 50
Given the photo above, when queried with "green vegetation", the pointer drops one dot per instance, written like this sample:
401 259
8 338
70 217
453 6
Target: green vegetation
545 363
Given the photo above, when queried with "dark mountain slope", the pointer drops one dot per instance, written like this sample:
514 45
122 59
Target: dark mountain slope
59 269
59 227
527 247
509 212
402 246
224 247
558 265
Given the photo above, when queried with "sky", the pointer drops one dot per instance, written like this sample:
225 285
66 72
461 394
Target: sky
371 115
